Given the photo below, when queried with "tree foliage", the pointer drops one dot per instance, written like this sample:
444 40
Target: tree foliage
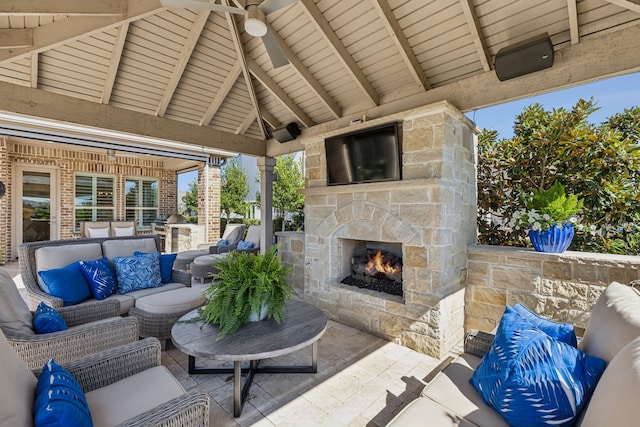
234 189
190 199
286 195
598 163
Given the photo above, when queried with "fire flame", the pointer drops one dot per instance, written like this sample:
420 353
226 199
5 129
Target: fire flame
376 264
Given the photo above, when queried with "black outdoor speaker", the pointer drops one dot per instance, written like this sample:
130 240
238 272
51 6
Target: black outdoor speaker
286 133
526 57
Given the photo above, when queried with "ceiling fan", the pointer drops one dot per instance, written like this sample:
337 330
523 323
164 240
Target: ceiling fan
255 22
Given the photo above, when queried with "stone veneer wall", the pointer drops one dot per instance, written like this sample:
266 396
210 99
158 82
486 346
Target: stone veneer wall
563 287
291 252
431 212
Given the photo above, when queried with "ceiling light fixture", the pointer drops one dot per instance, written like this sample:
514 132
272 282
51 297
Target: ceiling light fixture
254 22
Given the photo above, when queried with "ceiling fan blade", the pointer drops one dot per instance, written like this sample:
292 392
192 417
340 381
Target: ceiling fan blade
277 56
201 5
268 6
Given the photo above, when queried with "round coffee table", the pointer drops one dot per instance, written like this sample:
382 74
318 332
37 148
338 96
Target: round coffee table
302 326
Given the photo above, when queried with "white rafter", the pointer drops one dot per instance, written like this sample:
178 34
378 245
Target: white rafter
572 9
34 71
627 4
11 38
183 60
318 19
249 118
404 48
114 62
476 33
222 93
62 7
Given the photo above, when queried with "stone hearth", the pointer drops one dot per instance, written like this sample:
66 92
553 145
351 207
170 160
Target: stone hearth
430 214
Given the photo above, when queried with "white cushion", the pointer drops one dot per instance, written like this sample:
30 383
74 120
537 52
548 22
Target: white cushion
614 322
233 233
15 317
209 259
424 411
615 400
17 393
50 257
122 400
123 231
253 235
97 232
451 389
126 247
175 301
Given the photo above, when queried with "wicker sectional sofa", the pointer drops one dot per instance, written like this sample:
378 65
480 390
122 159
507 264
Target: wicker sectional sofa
612 334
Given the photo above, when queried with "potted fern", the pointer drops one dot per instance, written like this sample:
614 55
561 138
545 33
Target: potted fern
247 287
549 217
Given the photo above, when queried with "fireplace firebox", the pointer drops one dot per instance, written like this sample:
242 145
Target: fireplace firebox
375 266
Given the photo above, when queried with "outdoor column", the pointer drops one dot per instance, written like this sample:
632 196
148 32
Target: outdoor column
265 165
209 181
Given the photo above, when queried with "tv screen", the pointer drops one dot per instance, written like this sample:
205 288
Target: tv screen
369 155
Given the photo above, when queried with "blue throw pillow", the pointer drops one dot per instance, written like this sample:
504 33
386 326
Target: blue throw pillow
166 265
242 245
138 272
563 332
60 400
222 242
46 320
67 283
100 276
532 379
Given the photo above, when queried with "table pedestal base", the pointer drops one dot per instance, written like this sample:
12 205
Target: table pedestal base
240 391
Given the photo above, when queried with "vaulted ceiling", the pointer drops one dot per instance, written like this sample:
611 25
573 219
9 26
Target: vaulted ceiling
197 77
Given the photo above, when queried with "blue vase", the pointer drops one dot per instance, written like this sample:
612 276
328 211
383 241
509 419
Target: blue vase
553 239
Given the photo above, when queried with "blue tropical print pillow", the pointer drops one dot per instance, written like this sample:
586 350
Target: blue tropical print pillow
47 319
242 245
532 379
67 283
563 332
60 400
138 272
100 276
166 265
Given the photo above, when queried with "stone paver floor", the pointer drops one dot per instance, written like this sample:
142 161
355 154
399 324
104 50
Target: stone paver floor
362 380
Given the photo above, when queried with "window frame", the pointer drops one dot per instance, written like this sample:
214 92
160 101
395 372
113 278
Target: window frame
139 209
94 208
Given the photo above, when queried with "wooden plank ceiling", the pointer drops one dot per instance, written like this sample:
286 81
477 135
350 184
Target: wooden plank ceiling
196 76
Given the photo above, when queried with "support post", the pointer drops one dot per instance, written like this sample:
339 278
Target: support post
266 165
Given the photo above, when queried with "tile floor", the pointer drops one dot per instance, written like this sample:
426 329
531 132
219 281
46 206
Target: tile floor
362 380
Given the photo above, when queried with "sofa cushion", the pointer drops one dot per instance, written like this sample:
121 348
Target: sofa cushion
615 399
67 283
563 332
174 301
129 299
138 272
50 257
16 401
614 321
60 400
531 378
15 317
97 232
424 411
100 277
452 390
113 404
47 320
126 247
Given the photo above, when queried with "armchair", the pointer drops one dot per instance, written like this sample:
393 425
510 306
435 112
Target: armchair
92 327
233 233
109 380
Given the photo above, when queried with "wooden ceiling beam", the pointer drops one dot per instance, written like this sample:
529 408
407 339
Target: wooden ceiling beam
404 48
476 33
270 119
73 28
217 101
249 118
306 75
572 9
190 44
627 4
33 75
279 93
62 7
16 38
53 106
242 58
318 19
114 63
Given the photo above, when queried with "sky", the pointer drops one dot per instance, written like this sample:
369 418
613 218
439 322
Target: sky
612 96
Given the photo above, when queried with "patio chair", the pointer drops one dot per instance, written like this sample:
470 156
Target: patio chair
95 228
122 386
122 228
92 327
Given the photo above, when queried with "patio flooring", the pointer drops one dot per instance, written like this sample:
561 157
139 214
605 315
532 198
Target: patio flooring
362 380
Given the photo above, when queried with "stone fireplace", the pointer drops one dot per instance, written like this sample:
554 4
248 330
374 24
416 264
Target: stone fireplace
427 218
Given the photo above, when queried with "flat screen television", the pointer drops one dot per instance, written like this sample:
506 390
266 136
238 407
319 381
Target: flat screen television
368 155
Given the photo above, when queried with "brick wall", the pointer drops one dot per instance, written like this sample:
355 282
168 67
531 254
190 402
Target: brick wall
5 217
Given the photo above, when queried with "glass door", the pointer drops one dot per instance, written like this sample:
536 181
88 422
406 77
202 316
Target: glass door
36 204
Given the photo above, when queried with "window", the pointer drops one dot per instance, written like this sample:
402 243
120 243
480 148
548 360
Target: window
94 199
141 196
